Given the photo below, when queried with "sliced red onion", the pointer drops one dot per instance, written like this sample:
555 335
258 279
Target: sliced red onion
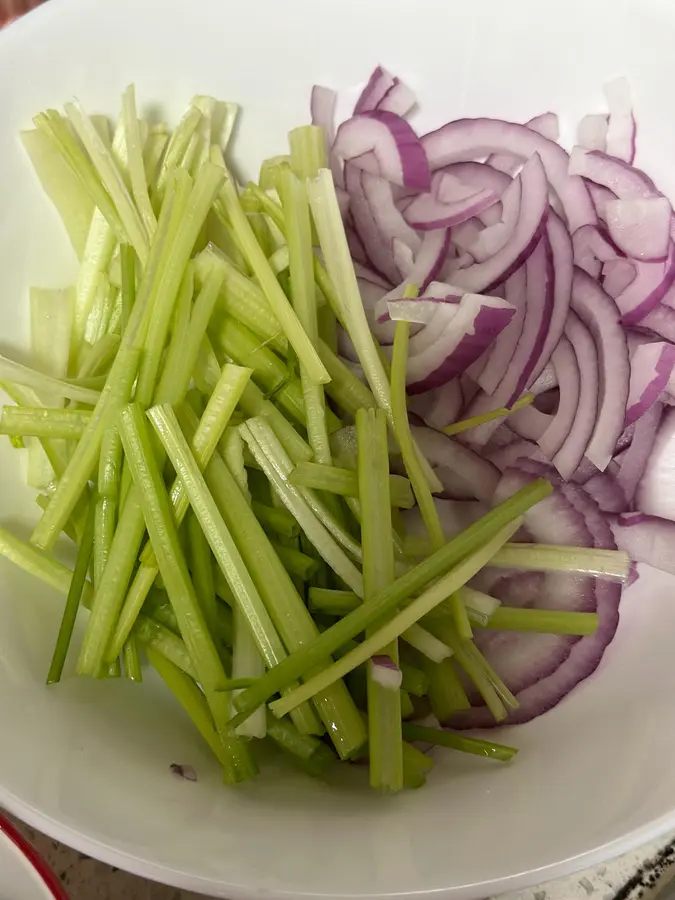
356 249
655 495
427 213
547 381
389 221
598 312
441 406
651 369
559 258
454 338
651 284
447 187
504 347
507 456
605 491
640 228
591 249
522 240
466 139
457 466
660 320
375 90
429 260
183 771
592 132
558 430
623 181
621 125
491 240
378 252
384 144
386 673
454 515
617 275
529 423
479 176
546 124
646 539
633 460
399 99
571 452
364 273
600 196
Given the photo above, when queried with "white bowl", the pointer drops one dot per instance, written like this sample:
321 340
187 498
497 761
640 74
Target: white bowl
88 762
23 874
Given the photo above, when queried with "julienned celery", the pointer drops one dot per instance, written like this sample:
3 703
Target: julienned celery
415 681
216 415
201 569
399 592
416 766
107 500
613 564
289 614
345 482
542 621
399 411
175 150
331 602
269 457
303 293
132 660
279 304
297 563
152 633
157 513
45 384
248 663
384 705
274 520
344 387
253 403
72 601
222 545
457 741
240 344
308 150
135 163
398 624
426 643
466 424
43 422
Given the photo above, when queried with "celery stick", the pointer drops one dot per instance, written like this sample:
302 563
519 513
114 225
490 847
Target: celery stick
215 417
457 741
242 298
44 422
83 461
135 164
175 150
276 298
100 315
332 603
111 178
241 345
467 542
289 738
290 399
384 706
503 691
196 706
108 488
220 540
285 606
272 462
542 621
180 322
411 459
157 513
201 569
63 187
426 643
232 449
415 681
612 564
416 767
303 294
97 360
446 691
153 634
279 260
344 387
460 616
72 601
308 150
128 290
273 519
478 676
132 661
475 421
345 482
297 563
153 150
247 663
254 404
407 708
398 624
45 384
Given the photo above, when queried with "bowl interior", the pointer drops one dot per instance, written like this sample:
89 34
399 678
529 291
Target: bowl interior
89 762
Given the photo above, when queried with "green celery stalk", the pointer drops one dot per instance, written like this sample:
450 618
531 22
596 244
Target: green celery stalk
273 519
128 290
276 298
345 482
237 342
415 681
384 705
416 767
460 616
303 294
398 624
344 388
297 563
73 601
232 449
407 708
43 422
254 404
475 421
272 460
40 564
152 633
426 643
175 151
331 602
399 592
542 621
248 663
201 569
283 602
157 513
613 564
308 151
97 360
455 741
45 384
135 162
132 661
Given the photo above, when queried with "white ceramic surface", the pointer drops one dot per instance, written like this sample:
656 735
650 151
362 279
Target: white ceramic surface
88 762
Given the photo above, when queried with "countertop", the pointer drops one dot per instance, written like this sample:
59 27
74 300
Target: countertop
643 874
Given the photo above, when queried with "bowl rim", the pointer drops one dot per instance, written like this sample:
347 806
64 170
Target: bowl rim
33 858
